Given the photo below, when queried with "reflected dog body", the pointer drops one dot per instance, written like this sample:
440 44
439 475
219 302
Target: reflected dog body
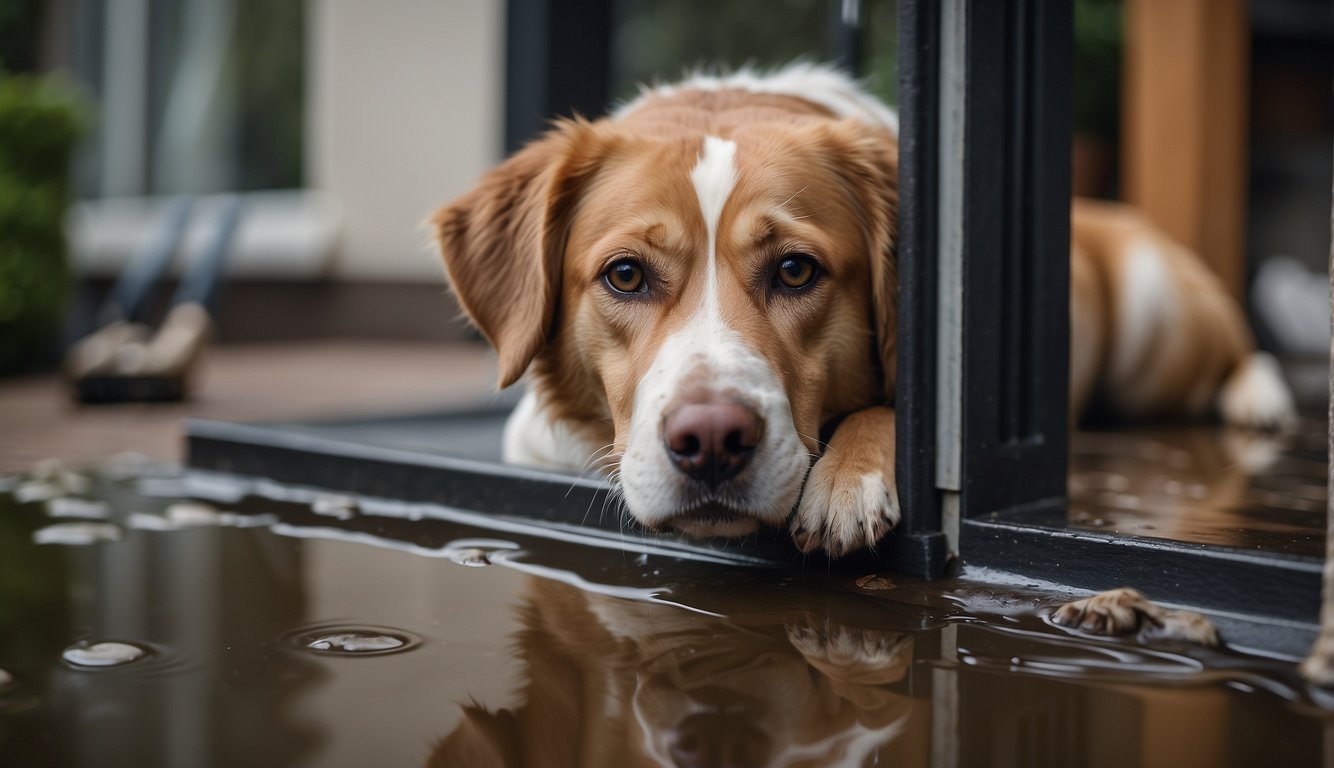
702 289
612 682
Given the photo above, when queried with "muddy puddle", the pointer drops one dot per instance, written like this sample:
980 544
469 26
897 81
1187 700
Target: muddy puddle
149 618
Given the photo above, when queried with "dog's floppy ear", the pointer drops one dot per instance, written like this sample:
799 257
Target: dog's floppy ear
874 155
503 243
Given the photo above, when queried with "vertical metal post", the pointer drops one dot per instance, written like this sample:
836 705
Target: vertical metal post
985 113
847 36
919 546
951 153
1015 221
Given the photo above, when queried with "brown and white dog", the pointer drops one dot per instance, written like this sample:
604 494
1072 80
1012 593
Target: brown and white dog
702 289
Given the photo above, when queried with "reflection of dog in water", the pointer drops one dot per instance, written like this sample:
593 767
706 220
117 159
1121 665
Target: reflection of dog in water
611 682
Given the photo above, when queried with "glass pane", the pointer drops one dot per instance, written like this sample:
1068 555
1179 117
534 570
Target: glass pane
657 40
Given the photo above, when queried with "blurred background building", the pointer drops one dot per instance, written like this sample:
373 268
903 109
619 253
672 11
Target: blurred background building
344 123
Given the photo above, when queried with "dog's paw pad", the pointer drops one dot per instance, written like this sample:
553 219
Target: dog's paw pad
1107 613
1127 612
841 513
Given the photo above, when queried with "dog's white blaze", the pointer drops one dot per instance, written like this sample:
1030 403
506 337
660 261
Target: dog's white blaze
714 176
707 353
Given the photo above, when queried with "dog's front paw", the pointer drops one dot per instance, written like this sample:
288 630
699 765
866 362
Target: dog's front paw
842 511
1125 612
1255 396
1318 668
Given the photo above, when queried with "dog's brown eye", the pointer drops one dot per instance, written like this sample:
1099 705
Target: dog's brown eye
626 276
796 271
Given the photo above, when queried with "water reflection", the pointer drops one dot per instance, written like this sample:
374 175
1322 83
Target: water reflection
147 650
743 680
280 633
1206 484
615 682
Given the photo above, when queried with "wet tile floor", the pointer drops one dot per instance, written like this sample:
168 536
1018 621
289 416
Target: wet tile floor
153 618
1204 484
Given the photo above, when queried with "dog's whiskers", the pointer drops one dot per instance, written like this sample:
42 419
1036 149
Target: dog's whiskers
596 457
635 212
614 497
613 479
820 445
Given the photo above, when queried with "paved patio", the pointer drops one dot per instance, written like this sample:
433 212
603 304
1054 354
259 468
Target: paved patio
273 381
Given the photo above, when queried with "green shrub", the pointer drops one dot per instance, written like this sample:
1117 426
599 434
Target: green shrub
40 121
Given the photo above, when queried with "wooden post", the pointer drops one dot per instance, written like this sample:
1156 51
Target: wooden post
1184 132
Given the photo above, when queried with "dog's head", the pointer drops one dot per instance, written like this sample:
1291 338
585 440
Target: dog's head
703 284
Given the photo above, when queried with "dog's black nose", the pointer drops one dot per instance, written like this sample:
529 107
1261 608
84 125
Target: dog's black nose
711 438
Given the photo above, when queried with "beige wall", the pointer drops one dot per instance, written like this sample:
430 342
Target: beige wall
405 111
